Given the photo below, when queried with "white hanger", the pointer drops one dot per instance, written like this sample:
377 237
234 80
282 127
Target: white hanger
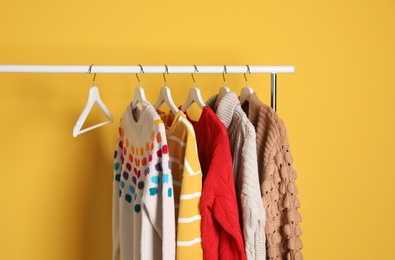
94 97
139 95
246 91
193 96
165 97
222 91
245 94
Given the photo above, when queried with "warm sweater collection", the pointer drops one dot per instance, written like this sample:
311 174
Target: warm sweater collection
220 187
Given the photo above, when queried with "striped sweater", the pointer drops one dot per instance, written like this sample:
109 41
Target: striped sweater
187 181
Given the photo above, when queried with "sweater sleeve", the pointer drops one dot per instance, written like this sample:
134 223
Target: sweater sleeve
253 212
290 202
158 196
231 244
279 189
221 209
189 217
116 188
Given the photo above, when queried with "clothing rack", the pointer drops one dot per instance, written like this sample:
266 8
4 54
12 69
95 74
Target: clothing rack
273 70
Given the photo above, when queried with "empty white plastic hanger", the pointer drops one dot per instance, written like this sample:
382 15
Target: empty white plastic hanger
165 96
193 96
246 91
222 91
139 95
93 97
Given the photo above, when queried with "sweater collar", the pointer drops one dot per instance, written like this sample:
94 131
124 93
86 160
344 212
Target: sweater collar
254 106
135 118
170 120
226 107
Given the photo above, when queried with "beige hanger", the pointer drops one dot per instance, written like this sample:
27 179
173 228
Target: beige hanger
139 95
193 96
93 98
165 96
246 91
222 91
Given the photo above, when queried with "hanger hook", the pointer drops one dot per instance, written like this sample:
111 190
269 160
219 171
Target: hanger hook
141 71
167 72
223 74
248 71
94 76
193 78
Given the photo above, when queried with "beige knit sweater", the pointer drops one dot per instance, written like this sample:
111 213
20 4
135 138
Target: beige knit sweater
277 179
242 140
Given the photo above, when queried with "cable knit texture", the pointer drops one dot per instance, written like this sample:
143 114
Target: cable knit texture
242 139
277 179
221 233
143 202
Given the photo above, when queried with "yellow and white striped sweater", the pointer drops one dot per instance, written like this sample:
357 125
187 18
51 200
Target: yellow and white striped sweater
187 181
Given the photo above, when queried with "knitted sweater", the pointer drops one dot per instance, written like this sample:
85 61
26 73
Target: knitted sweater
143 203
277 179
245 169
221 234
187 180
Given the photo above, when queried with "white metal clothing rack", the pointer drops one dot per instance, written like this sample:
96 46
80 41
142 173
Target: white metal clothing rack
273 70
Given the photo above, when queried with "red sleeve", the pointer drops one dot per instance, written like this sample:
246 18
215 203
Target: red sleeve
221 232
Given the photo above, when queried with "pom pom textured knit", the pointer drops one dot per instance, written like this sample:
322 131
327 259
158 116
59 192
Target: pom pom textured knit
277 179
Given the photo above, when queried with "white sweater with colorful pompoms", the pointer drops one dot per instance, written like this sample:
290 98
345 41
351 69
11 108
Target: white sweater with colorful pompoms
143 201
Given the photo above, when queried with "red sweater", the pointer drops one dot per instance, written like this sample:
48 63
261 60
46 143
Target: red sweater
221 232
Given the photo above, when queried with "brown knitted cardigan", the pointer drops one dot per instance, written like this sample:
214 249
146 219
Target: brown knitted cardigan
277 180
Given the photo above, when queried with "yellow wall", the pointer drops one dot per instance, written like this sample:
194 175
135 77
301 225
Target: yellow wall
55 190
